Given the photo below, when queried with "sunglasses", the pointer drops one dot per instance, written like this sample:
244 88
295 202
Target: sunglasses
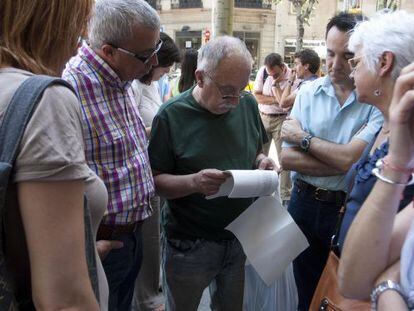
144 59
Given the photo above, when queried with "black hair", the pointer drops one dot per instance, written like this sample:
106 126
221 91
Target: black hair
344 21
188 67
310 57
167 56
169 52
273 59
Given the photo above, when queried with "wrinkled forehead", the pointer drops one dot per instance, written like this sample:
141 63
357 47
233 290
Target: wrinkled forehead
337 41
232 68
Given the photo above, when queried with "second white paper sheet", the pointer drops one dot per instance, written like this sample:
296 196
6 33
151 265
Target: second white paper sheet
269 236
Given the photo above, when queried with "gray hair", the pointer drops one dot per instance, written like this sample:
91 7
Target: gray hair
210 55
113 20
385 32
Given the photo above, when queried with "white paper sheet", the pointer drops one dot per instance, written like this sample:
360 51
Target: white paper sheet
269 236
248 184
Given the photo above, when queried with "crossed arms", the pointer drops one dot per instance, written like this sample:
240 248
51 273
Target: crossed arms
323 158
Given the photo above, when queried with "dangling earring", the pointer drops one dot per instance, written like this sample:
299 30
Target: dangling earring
377 92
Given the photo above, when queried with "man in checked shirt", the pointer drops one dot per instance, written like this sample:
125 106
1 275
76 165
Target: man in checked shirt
123 42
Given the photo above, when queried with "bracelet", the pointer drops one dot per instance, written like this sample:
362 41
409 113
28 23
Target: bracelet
382 287
386 163
376 173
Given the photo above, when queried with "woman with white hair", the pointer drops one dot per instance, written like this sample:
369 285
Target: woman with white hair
370 261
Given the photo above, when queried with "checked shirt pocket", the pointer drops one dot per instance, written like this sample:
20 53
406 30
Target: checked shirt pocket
110 146
110 135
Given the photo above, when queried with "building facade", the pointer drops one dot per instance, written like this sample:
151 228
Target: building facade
262 25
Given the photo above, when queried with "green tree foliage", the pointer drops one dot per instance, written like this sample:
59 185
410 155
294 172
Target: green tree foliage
388 4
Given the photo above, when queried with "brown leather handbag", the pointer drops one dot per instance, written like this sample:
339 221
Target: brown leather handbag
327 295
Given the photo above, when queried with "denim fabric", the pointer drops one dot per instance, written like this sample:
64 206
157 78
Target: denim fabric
317 221
364 182
190 266
121 268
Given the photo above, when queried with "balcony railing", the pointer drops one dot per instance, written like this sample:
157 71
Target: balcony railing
253 4
156 4
186 4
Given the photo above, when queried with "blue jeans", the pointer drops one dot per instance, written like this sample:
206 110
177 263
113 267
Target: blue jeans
121 268
190 266
317 221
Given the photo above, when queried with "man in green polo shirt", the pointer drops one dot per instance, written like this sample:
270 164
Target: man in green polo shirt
212 127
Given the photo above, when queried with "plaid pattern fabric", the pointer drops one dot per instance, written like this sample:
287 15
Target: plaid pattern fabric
114 134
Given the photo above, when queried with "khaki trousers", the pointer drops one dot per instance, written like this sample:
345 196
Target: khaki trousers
273 126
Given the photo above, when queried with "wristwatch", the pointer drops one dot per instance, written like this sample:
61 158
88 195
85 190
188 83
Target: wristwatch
384 286
305 143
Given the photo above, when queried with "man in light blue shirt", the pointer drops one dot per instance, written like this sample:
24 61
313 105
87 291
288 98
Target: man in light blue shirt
327 132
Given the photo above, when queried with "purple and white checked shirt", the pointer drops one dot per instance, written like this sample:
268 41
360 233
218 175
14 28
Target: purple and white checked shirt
114 134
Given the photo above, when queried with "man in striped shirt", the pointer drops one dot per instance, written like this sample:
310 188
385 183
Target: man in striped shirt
123 42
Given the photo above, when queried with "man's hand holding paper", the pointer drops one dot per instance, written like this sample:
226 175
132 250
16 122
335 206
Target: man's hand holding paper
208 181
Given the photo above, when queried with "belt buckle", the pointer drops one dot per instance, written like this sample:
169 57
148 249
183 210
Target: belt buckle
317 197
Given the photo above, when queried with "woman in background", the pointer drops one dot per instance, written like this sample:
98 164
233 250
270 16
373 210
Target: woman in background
187 77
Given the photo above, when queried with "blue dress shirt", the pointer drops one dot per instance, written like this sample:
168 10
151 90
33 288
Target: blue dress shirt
318 110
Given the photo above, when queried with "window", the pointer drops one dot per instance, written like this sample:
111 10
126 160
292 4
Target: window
188 39
253 4
388 4
252 41
354 6
186 4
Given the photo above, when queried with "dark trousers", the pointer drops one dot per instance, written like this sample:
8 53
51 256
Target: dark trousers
317 220
121 268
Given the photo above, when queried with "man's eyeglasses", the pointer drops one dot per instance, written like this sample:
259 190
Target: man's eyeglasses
142 58
241 94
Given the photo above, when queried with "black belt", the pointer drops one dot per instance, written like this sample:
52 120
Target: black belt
322 194
106 232
274 114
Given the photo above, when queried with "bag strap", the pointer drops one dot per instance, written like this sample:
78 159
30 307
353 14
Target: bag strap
265 75
351 180
19 112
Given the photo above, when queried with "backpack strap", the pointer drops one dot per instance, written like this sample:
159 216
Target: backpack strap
265 75
13 125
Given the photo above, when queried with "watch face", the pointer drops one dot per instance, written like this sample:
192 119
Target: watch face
304 144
